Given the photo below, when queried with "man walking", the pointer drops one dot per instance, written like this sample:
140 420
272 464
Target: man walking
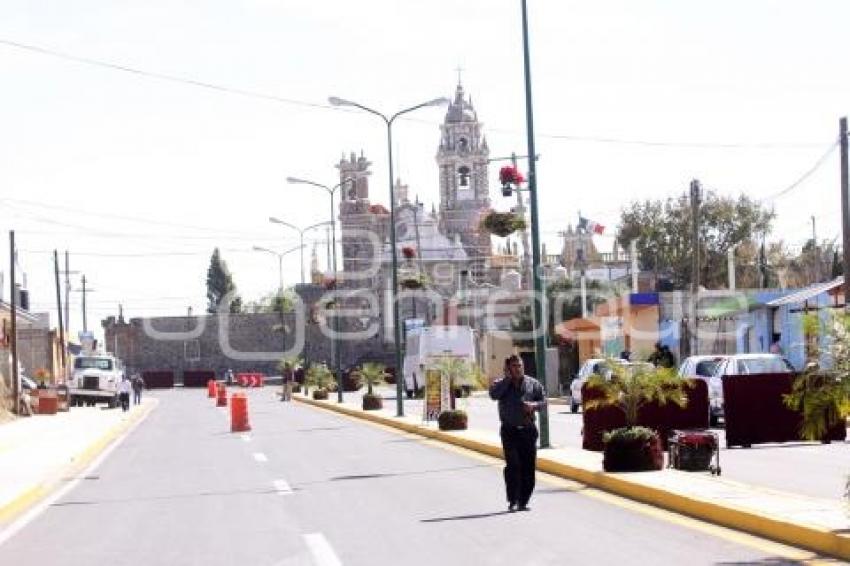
124 393
519 397
138 386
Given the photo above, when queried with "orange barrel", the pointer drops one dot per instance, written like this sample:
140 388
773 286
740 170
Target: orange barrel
221 401
211 388
239 413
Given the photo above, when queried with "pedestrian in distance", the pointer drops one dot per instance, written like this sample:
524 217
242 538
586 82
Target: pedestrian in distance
288 377
668 359
124 394
138 386
657 355
519 397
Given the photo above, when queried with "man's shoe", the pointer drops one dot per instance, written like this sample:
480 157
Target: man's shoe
511 507
524 507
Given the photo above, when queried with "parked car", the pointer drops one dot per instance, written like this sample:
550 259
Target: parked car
588 368
699 367
741 364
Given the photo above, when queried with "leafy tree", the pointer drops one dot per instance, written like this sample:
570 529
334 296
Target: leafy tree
276 302
219 284
662 229
822 395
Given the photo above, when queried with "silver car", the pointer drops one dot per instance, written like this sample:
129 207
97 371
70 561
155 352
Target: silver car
741 364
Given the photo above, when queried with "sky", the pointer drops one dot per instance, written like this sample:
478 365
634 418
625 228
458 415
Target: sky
141 177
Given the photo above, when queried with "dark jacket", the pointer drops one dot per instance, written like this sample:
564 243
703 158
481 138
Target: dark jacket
512 400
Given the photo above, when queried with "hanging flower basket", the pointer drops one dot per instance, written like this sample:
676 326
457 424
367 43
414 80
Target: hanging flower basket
413 281
329 283
409 252
379 209
510 175
503 224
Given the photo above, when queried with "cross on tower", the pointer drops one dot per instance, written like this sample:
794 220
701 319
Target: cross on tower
459 70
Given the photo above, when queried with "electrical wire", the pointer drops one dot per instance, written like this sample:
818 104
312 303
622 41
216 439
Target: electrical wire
817 165
321 106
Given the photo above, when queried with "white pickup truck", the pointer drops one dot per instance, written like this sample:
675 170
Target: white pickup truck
95 379
427 345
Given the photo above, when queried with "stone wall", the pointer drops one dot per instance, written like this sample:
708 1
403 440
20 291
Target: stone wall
195 343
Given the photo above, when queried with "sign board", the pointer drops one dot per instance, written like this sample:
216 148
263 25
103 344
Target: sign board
433 394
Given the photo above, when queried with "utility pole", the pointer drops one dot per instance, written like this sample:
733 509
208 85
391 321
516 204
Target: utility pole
845 210
730 267
695 265
815 251
59 313
16 384
67 273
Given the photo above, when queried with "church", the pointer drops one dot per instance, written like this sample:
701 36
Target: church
443 245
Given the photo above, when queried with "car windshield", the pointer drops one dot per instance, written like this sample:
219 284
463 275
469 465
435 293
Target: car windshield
763 365
706 368
93 363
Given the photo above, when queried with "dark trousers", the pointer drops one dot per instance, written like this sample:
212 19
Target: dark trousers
125 401
520 449
137 396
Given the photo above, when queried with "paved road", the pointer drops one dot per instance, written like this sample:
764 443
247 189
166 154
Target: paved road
310 487
807 468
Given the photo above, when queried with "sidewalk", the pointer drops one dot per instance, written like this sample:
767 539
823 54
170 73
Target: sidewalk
819 524
39 453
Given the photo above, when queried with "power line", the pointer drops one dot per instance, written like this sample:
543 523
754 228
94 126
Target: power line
804 176
321 106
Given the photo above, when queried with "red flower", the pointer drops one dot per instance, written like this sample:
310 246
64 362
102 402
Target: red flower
378 209
510 175
409 252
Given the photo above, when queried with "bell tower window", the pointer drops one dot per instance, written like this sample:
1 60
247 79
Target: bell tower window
463 145
463 176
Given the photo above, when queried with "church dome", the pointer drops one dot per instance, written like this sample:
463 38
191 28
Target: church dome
460 110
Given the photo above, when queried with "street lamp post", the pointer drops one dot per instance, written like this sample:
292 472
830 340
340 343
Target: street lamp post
301 232
334 346
540 322
279 260
399 377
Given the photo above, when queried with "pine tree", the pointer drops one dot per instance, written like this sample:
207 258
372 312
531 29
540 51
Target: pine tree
219 284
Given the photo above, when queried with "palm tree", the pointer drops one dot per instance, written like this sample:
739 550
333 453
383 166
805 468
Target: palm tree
373 375
320 377
632 387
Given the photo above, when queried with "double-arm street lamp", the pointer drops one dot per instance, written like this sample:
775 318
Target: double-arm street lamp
399 374
279 260
540 322
331 191
301 232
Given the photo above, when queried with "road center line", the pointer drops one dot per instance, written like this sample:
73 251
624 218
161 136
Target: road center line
260 457
282 487
322 551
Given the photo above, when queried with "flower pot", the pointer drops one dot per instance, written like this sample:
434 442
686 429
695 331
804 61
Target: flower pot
502 224
452 420
372 402
320 394
632 450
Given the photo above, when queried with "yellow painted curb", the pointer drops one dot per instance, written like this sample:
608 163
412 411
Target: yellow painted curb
36 493
805 536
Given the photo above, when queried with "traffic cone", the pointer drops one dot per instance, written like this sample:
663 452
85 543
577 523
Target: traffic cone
221 401
239 413
211 388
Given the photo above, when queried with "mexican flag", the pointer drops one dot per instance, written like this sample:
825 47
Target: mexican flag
590 226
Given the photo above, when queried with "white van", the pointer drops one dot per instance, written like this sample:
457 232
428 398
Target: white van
426 345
